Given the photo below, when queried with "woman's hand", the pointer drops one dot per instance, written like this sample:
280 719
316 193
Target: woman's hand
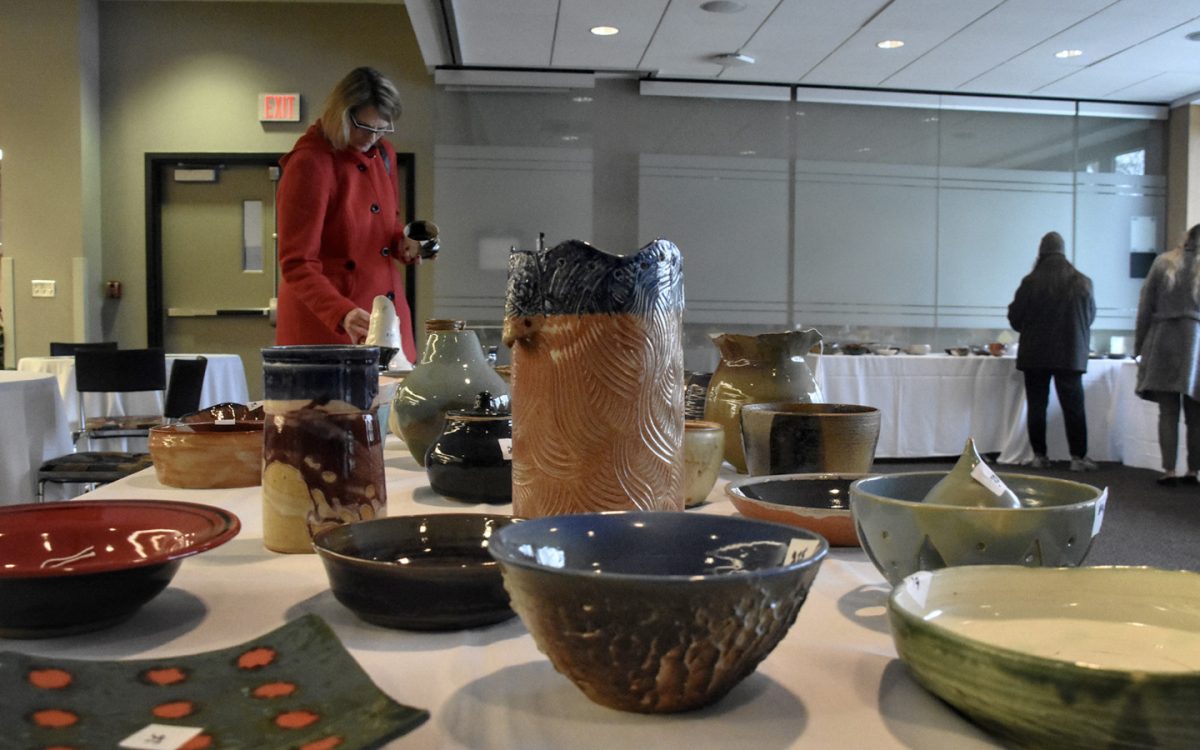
357 324
412 250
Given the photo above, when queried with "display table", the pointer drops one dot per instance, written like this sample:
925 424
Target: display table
834 681
224 381
35 429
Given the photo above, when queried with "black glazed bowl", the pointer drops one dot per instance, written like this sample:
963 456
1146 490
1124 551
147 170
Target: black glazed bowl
428 572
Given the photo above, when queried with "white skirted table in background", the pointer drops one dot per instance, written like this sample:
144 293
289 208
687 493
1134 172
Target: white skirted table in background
833 681
35 429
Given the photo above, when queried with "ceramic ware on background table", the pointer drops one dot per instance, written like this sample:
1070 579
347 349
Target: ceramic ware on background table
656 612
598 388
1070 658
794 438
817 502
471 460
83 565
322 443
428 572
902 534
703 454
449 374
917 349
755 369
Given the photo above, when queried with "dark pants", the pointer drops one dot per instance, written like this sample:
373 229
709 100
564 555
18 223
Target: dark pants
1168 429
1069 386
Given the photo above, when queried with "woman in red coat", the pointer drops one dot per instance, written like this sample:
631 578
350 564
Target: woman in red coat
340 232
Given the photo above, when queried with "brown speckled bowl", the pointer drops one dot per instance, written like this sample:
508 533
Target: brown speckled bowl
208 455
817 502
656 612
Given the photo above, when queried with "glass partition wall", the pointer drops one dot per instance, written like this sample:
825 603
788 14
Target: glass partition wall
874 224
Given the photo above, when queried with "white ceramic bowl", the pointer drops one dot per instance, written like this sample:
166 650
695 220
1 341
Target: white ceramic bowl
1058 657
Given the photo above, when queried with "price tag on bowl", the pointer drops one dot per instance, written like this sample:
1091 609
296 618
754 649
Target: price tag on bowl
983 474
917 586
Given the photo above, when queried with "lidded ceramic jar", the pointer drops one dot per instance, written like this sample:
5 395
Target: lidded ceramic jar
471 460
450 372
756 369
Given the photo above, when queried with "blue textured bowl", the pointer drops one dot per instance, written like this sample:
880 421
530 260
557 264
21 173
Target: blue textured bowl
656 612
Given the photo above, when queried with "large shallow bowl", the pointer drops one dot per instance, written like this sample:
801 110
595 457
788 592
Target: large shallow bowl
208 455
428 572
83 565
656 612
817 502
793 438
1058 657
901 534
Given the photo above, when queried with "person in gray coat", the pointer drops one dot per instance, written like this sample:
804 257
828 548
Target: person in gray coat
1053 311
1167 341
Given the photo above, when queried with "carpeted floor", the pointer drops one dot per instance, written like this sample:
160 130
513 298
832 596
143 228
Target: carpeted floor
1144 524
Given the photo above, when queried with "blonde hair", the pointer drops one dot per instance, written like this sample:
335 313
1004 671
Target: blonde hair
362 87
1173 261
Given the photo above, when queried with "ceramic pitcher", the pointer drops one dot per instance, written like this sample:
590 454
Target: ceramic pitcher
754 369
597 379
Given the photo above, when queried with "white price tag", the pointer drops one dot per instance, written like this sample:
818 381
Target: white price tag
506 448
160 737
800 549
983 474
225 422
917 586
1101 504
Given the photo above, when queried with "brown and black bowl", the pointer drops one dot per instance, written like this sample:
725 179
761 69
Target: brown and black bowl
423 572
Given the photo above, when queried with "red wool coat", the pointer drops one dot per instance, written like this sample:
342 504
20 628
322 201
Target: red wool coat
340 236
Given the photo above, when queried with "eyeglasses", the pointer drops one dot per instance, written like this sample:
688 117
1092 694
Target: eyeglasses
389 128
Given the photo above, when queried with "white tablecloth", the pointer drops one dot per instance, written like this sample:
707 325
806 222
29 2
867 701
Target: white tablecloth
931 404
833 682
224 380
35 428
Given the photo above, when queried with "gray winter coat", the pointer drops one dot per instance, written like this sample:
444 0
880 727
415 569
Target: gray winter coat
1168 329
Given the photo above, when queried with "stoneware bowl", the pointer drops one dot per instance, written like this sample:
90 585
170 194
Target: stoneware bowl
208 455
917 349
656 612
794 438
427 572
703 453
83 565
902 534
1058 657
817 502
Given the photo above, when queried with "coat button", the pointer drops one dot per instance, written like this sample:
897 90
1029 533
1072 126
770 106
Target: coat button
374 208
349 265
385 251
362 167
391 296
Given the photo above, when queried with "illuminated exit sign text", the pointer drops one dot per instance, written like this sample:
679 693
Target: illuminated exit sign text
279 108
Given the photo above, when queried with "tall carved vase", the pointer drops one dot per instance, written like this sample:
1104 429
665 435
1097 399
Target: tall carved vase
597 399
755 369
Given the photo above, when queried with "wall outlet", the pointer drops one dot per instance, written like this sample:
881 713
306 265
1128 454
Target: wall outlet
43 288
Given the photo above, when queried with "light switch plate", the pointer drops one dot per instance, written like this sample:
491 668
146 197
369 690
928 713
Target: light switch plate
43 288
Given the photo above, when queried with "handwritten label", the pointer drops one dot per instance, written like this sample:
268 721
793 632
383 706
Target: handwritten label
800 549
1101 504
160 737
505 448
225 422
983 474
917 586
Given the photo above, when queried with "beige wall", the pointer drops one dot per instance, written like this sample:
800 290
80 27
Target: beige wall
172 77
1183 171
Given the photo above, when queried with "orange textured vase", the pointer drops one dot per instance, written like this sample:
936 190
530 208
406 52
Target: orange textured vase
597 398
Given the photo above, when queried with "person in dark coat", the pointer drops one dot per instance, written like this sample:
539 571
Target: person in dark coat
1053 311
1167 342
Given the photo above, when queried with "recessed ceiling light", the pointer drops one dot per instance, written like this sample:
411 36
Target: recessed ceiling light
890 44
605 30
723 6
1193 37
1065 53
734 58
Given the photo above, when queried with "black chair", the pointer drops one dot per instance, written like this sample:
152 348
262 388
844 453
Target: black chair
184 387
67 349
118 371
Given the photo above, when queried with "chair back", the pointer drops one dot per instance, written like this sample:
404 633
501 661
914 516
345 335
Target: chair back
120 370
69 349
184 387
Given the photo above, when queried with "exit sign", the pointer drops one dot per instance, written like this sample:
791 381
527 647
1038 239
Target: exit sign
279 108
